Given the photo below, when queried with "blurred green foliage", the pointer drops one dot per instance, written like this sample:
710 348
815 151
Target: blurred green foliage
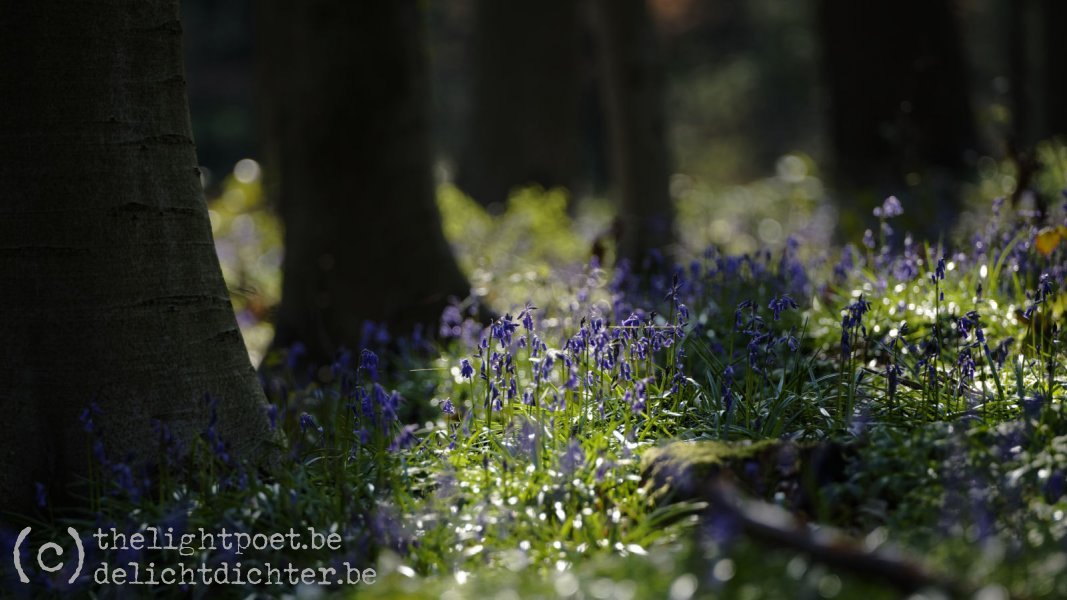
535 232
248 239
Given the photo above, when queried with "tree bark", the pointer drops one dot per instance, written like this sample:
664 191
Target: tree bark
349 166
112 291
898 95
526 99
633 95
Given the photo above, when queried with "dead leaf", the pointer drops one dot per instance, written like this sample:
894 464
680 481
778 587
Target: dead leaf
1049 238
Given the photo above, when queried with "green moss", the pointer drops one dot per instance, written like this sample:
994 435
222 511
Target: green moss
704 453
680 466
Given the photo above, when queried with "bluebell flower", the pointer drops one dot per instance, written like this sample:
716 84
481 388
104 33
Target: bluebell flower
526 316
893 373
451 322
781 303
906 268
602 470
572 379
526 438
368 362
573 458
741 307
366 407
210 434
308 422
640 349
405 439
791 268
672 291
847 264
342 362
296 352
638 398
503 330
363 435
1029 312
792 342
890 208
683 314
886 230
939 272
856 310
727 388
547 364
86 417
391 406
465 369
1044 287
123 478
378 395
966 364
374 333
868 239
967 323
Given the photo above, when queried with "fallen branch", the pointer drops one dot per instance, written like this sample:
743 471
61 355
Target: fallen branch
775 526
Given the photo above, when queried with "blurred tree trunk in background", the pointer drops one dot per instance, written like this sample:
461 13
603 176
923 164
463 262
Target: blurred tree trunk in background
898 101
633 93
112 291
1021 135
526 99
219 54
1054 18
348 163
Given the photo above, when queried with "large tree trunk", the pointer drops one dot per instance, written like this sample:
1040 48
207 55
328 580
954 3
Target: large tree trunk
349 165
898 96
526 98
111 288
633 94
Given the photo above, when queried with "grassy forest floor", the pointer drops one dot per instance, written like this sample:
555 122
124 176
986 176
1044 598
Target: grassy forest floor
796 420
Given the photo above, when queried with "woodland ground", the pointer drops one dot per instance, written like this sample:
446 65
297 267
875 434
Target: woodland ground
516 460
